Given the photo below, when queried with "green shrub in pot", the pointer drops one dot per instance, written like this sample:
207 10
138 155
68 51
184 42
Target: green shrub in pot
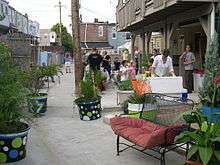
136 104
13 129
89 102
35 77
125 85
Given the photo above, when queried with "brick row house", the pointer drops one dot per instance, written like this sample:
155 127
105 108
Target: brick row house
103 36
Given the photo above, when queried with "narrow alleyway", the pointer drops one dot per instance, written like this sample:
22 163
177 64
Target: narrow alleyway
60 138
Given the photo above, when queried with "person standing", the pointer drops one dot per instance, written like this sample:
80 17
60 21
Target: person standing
106 64
95 60
154 54
163 65
68 61
132 71
117 64
188 59
124 70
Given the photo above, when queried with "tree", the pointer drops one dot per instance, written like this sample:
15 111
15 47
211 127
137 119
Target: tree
67 39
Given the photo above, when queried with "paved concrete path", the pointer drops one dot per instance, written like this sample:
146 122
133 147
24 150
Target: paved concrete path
60 138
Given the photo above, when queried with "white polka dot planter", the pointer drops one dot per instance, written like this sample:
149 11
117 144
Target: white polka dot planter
13 146
90 110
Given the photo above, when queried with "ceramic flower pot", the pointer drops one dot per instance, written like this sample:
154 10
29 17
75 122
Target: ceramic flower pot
90 110
213 114
13 146
38 104
135 107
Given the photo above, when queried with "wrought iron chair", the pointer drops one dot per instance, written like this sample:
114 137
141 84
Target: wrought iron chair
155 133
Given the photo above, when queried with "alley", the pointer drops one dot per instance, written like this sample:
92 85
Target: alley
61 138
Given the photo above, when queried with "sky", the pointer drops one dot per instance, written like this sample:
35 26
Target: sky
47 14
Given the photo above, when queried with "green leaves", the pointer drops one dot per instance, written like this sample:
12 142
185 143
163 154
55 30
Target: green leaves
192 151
217 155
12 90
125 85
205 154
67 39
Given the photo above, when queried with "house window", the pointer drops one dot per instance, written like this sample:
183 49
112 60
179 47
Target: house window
128 36
100 31
114 36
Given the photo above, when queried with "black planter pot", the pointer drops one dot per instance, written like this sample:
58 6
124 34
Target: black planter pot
38 104
13 146
90 110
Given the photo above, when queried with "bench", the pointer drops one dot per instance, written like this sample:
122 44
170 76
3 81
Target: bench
158 134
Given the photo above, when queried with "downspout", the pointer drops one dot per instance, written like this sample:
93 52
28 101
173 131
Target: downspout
86 36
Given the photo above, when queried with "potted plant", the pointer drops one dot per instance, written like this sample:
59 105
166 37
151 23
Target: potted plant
203 140
124 91
210 92
36 77
136 103
89 102
13 129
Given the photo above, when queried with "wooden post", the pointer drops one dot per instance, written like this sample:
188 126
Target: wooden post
133 37
77 46
149 34
143 38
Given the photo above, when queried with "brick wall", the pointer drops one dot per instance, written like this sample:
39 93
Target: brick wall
93 32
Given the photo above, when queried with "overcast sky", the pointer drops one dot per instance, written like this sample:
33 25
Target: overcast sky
45 12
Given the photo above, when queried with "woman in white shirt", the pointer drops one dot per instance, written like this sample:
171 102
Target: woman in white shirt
163 65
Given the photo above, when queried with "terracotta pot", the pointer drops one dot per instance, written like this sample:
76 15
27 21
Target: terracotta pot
188 162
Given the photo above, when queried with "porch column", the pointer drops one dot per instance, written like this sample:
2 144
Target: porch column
133 38
148 41
167 33
143 43
212 17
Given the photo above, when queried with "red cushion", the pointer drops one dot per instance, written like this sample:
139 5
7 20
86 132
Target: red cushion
141 132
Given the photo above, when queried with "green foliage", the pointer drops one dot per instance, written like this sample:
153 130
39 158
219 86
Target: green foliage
12 91
212 70
136 99
67 39
204 139
145 61
36 74
125 85
88 88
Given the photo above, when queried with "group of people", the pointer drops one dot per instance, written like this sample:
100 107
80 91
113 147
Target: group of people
96 61
125 69
162 65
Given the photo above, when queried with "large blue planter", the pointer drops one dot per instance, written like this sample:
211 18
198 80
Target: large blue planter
13 146
213 114
38 104
90 110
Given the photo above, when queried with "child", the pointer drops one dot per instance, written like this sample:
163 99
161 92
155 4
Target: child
132 71
124 71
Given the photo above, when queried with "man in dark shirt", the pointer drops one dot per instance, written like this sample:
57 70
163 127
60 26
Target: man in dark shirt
117 64
95 60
